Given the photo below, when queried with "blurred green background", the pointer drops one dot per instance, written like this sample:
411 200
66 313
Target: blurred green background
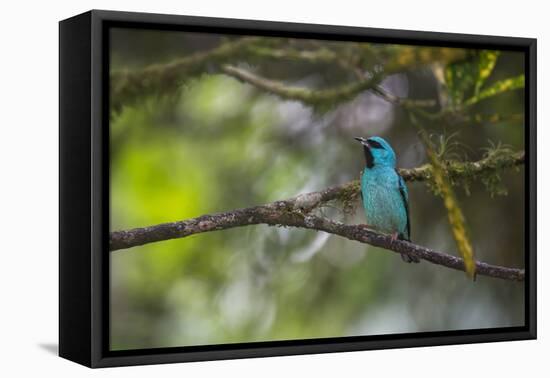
216 144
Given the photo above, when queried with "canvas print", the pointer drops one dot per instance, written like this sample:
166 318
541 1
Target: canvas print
280 188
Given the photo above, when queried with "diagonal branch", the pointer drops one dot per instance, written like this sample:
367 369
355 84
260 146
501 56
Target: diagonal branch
296 212
305 95
127 86
281 214
409 58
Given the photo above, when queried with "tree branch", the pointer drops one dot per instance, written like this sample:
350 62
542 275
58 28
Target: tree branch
281 214
403 102
127 86
295 212
409 58
305 95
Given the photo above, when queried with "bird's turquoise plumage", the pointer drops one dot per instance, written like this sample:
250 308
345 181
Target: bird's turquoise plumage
384 192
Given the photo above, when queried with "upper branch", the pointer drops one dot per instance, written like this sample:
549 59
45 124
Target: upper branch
305 95
409 58
127 86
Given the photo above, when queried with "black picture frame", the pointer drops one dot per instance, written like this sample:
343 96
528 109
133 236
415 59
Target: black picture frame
84 189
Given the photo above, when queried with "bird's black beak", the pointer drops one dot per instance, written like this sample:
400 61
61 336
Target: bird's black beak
369 159
363 141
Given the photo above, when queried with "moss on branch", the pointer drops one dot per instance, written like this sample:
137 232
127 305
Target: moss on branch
298 212
128 86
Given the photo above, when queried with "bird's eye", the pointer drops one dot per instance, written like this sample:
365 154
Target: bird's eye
375 144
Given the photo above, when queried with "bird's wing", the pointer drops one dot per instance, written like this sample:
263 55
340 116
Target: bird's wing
360 189
405 197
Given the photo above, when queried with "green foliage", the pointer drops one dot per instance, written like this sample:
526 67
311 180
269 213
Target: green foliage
486 62
466 78
497 88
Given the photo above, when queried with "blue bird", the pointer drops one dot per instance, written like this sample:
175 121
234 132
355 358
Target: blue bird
384 192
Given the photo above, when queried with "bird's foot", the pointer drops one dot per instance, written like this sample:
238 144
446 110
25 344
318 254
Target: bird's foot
366 226
408 258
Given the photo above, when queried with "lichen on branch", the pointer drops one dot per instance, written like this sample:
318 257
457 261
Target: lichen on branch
298 212
281 213
127 86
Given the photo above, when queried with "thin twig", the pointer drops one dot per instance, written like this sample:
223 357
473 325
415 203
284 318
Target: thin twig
305 95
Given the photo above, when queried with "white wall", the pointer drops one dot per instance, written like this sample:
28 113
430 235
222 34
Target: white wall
28 186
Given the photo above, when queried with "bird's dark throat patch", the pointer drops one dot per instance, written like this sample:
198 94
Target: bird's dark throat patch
369 159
